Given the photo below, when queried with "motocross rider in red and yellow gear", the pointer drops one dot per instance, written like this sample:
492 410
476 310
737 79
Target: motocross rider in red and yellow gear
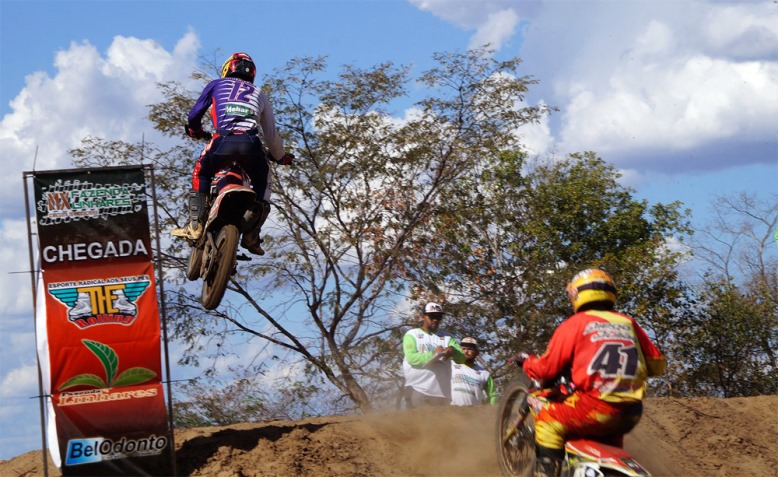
610 357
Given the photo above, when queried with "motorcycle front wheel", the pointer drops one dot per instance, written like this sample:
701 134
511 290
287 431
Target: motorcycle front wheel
195 264
515 444
223 261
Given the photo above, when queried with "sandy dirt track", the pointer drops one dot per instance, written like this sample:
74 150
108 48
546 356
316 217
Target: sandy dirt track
699 437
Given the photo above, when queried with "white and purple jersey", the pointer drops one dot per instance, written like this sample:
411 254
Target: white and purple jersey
237 105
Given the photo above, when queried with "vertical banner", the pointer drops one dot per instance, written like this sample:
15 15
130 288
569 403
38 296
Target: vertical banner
100 354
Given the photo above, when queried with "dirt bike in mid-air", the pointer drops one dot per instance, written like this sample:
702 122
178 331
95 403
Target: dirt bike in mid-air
520 403
214 255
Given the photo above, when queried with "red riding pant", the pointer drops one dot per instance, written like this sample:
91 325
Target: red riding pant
584 416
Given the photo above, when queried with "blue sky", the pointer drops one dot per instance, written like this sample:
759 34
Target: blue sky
681 96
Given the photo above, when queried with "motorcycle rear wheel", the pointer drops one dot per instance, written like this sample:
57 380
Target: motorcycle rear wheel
515 448
223 258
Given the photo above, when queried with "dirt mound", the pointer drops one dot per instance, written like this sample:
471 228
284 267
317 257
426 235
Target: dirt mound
690 437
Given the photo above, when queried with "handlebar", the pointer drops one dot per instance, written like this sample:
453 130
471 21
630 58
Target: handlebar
560 385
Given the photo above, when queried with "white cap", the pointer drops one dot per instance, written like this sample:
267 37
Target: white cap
433 308
469 341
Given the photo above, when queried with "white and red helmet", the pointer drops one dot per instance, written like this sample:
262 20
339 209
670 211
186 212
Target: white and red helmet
239 65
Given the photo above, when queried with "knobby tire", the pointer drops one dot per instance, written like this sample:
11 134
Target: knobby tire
516 455
224 255
195 264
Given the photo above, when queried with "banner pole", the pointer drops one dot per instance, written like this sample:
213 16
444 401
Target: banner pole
41 398
163 316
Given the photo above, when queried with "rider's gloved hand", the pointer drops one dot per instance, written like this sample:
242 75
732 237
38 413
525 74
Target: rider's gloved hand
286 159
518 359
195 134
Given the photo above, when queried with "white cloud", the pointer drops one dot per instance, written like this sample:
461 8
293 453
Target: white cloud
464 14
537 138
744 31
498 28
20 382
15 284
90 94
19 414
644 82
494 21
663 93
666 89
727 100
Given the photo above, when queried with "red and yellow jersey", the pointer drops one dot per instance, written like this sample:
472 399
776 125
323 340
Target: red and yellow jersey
609 354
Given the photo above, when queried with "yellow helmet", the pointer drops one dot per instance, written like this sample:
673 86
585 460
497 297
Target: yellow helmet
590 286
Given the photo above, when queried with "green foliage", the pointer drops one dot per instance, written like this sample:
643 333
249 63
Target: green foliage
727 347
170 116
521 230
252 397
207 405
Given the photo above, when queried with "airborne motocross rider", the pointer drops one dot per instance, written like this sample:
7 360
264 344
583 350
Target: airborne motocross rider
609 355
238 108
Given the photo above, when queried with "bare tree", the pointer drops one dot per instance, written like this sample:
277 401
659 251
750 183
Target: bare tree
729 340
737 242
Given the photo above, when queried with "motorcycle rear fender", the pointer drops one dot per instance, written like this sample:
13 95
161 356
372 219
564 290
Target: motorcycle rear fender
230 176
603 456
239 199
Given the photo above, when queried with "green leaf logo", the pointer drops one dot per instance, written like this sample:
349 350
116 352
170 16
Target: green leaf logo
83 379
110 361
134 376
106 355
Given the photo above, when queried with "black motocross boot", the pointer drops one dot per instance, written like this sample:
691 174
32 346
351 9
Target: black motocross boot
548 462
198 213
196 205
253 219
